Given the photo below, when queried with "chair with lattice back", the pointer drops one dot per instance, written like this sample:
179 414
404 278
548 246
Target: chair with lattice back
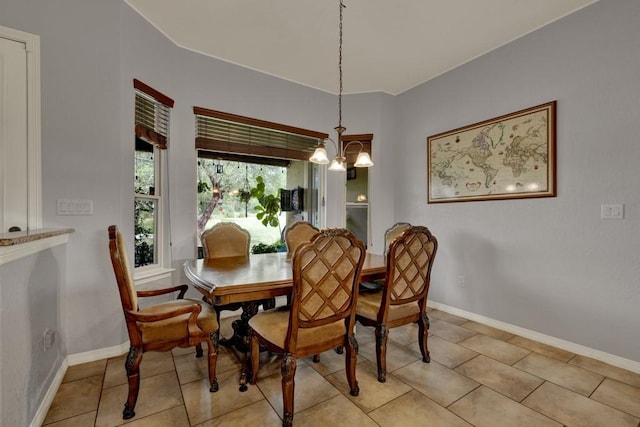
403 298
326 272
390 235
393 233
298 233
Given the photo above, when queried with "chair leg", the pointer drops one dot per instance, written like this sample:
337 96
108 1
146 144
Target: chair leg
423 337
199 351
132 366
254 354
288 369
381 351
212 344
351 358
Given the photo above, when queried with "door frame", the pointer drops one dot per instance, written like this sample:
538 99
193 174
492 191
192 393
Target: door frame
34 156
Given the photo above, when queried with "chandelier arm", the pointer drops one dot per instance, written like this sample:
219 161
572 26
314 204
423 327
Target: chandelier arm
344 149
335 146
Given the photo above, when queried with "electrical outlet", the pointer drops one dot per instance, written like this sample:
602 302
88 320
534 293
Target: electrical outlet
49 337
461 281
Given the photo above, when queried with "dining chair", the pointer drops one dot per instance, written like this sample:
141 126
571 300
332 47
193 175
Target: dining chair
326 272
297 234
225 239
393 232
228 239
403 298
162 326
390 235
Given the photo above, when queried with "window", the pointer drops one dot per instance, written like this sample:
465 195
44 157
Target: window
223 195
146 203
233 151
151 134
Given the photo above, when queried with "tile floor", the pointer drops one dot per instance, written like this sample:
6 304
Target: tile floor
478 376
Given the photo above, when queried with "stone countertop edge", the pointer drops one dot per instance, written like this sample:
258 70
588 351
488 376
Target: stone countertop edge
19 237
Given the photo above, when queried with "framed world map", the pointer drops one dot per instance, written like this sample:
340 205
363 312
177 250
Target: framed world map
507 157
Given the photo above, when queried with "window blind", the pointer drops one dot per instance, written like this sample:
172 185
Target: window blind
229 133
151 114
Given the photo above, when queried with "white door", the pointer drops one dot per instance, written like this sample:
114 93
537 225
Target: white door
13 136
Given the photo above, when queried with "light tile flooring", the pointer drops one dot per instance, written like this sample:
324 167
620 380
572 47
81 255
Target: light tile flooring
478 376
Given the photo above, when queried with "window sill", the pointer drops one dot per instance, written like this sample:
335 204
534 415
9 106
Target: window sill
151 274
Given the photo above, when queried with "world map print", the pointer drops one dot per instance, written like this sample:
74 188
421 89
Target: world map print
511 156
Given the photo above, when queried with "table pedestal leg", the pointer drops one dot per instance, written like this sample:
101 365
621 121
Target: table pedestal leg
241 331
241 338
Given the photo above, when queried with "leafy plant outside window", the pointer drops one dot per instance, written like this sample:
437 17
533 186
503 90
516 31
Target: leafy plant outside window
145 206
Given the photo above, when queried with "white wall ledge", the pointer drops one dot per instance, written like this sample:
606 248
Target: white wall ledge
20 244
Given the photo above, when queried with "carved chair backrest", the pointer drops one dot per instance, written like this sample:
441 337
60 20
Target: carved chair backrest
297 234
126 286
122 270
409 263
393 233
225 239
326 272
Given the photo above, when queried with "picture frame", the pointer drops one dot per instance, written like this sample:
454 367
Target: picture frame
351 173
508 157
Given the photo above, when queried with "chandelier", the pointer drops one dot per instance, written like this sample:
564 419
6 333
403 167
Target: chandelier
339 162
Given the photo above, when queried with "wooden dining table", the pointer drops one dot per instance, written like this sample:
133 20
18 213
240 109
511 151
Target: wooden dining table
252 280
256 277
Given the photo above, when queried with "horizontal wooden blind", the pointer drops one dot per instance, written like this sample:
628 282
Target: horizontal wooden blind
151 114
229 133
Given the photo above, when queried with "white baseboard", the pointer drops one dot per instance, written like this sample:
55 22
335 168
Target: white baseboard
611 359
71 360
102 353
41 413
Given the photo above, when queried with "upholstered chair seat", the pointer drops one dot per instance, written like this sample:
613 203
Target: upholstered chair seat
369 306
272 326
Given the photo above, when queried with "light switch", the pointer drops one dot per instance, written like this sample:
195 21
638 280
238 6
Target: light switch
75 207
612 211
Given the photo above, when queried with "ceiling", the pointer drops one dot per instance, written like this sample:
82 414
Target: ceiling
388 46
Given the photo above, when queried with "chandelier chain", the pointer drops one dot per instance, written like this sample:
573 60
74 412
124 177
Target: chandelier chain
342 6
339 162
